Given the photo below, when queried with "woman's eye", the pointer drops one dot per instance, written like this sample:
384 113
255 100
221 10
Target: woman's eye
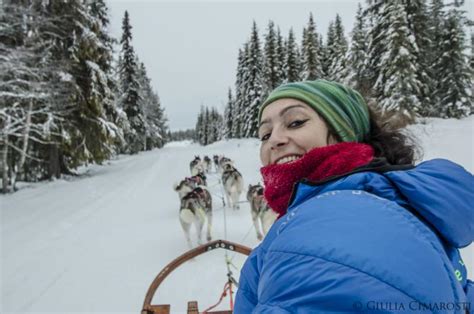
296 123
265 137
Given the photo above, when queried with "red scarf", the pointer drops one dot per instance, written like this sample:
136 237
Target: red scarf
316 165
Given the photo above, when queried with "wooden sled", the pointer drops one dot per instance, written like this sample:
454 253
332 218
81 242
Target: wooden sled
148 308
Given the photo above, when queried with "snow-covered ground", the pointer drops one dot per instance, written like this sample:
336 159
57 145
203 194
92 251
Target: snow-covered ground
93 244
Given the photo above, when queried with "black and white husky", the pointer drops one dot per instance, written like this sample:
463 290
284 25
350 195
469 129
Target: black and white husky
195 208
207 163
196 166
262 214
233 184
222 162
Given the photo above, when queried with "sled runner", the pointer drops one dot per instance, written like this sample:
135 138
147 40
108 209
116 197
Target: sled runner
148 308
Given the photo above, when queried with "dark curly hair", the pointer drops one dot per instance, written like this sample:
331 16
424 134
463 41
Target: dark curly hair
389 138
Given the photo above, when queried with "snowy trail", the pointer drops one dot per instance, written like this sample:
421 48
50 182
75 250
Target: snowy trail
94 244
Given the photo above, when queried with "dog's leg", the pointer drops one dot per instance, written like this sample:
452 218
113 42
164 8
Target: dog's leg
209 224
228 199
268 218
256 224
186 228
199 225
235 199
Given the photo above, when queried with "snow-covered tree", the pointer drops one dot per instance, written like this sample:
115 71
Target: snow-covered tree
238 107
292 61
455 86
271 62
312 67
358 76
336 50
130 96
281 52
398 86
228 116
252 84
418 22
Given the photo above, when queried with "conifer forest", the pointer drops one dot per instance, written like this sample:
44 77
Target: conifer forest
73 95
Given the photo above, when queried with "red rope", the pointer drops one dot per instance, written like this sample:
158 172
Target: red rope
227 286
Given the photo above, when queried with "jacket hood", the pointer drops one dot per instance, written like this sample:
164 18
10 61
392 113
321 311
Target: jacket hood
442 192
438 191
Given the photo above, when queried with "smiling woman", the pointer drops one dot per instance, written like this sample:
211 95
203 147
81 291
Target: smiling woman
346 189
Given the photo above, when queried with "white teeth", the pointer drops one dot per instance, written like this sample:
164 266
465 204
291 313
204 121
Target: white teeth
284 160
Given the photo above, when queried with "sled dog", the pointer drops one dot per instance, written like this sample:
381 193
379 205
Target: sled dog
196 166
233 184
207 163
196 208
262 214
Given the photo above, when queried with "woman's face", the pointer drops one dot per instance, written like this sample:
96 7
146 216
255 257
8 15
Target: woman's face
289 128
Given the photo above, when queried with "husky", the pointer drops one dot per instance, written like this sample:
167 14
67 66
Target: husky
196 166
190 183
199 179
233 184
215 158
224 161
195 208
207 163
261 212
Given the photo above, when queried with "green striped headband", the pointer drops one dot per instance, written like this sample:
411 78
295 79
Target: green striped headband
342 108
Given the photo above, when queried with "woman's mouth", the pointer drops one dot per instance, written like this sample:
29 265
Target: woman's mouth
287 159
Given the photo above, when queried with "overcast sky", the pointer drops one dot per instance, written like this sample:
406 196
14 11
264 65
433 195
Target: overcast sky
190 48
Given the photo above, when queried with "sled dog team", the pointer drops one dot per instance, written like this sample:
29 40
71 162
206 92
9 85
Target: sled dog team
196 200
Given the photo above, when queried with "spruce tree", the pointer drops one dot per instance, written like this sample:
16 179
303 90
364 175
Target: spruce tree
398 86
455 86
130 98
292 61
418 22
237 108
228 116
336 50
281 52
312 68
358 56
252 84
377 23
271 65
328 54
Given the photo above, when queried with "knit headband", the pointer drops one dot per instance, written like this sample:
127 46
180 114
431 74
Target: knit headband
342 108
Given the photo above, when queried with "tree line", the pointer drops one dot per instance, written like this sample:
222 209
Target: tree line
406 57
64 100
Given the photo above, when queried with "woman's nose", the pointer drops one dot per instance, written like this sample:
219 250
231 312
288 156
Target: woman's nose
278 139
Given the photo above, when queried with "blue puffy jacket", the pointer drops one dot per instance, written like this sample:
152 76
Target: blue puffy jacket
374 240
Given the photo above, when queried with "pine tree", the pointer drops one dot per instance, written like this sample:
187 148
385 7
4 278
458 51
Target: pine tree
376 44
471 60
200 127
237 109
323 56
312 68
292 62
336 50
418 21
455 87
397 85
328 48
252 84
281 52
228 116
130 100
271 61
358 56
